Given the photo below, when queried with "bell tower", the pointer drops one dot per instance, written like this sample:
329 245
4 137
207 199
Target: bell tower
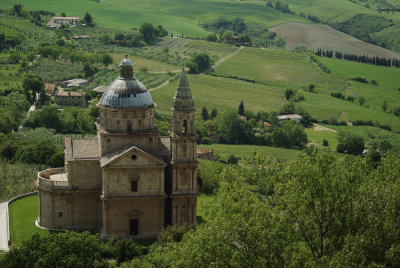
184 163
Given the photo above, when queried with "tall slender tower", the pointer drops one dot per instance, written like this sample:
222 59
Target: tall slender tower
184 164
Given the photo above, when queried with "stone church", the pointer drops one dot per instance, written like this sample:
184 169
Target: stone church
128 181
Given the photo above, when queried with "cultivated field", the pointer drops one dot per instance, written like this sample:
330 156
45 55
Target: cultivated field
315 36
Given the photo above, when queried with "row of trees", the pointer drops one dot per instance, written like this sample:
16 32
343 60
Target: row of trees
147 33
359 58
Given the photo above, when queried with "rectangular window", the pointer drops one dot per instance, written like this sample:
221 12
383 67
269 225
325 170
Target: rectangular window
134 186
60 214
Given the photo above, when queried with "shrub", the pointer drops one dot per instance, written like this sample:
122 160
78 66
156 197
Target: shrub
360 79
386 127
350 143
361 100
325 143
337 95
374 82
232 159
175 233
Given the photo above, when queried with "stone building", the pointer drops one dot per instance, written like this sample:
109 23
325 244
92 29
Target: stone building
128 181
70 98
58 21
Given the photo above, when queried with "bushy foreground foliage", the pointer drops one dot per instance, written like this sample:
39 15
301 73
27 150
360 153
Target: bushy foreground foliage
318 211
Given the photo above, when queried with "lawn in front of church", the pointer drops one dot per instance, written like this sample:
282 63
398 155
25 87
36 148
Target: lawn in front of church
23 214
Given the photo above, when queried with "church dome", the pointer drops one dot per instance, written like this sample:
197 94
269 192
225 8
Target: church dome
126 91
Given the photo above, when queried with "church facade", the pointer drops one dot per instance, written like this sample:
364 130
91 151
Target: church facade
128 181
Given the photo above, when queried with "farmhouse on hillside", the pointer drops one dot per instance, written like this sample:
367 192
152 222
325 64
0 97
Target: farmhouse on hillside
70 98
128 181
58 21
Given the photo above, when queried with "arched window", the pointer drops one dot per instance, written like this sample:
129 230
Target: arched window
184 128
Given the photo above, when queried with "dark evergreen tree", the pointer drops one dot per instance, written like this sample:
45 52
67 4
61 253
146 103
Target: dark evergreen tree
241 108
204 114
88 19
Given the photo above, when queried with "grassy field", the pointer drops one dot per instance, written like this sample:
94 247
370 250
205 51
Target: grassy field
388 81
224 150
280 69
336 10
318 136
23 214
140 63
368 131
178 16
221 93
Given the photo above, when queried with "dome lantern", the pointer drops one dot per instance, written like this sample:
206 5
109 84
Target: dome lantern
126 68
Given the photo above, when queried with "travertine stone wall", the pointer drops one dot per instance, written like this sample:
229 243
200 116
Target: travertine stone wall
184 178
184 148
69 210
84 174
126 120
117 181
109 142
178 122
184 210
118 212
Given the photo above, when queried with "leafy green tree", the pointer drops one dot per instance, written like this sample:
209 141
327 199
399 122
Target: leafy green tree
89 70
350 143
147 30
199 62
31 56
289 93
48 117
107 60
212 37
119 36
43 99
32 84
227 35
160 31
67 249
18 9
232 129
361 100
57 159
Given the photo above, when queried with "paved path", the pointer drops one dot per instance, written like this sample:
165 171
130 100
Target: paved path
4 226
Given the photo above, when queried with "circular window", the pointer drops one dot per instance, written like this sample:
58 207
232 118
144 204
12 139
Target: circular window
134 157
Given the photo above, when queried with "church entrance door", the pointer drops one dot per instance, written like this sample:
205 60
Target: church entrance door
134 227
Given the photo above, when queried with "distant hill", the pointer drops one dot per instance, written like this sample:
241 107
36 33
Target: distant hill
316 36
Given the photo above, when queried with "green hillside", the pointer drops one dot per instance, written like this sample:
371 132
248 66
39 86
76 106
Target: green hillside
178 16
276 70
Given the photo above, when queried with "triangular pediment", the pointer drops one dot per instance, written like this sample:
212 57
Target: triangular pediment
130 156
134 211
